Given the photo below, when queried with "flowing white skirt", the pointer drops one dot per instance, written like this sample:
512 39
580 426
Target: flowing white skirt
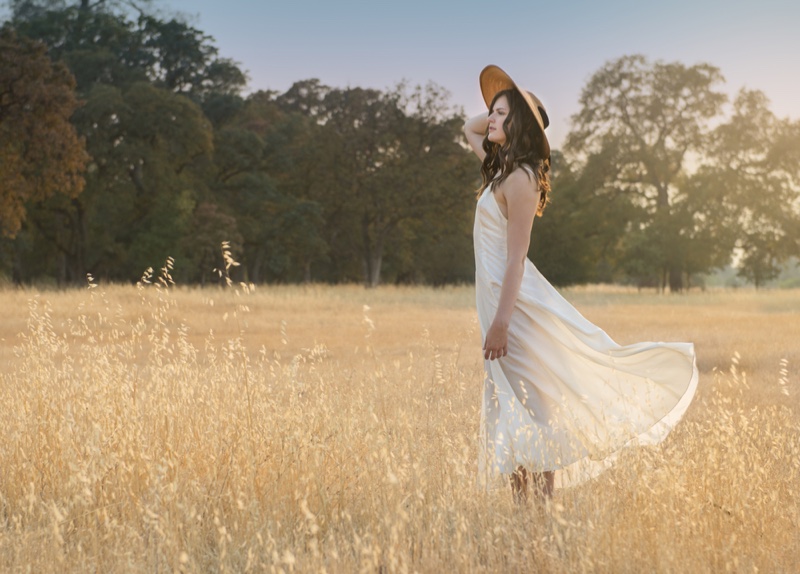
566 397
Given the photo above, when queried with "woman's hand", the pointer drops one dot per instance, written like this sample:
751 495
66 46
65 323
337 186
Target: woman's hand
496 344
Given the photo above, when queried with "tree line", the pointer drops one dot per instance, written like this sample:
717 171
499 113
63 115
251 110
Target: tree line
125 138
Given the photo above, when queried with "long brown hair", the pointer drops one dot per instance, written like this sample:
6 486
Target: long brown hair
523 146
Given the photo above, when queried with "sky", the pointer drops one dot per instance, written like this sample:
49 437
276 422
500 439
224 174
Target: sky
550 48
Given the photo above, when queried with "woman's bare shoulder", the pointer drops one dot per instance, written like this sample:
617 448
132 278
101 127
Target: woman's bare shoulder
522 180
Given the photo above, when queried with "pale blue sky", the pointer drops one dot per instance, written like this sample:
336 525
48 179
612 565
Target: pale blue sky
550 47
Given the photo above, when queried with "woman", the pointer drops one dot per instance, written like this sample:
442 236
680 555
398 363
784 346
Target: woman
560 397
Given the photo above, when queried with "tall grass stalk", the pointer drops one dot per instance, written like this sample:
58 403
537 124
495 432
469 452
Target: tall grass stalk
335 430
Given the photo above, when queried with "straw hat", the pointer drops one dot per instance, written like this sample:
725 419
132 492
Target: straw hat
494 80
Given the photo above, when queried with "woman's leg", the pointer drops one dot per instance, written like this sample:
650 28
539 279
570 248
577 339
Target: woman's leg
543 482
519 485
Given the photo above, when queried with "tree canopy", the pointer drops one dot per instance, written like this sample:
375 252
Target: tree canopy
126 138
41 154
654 135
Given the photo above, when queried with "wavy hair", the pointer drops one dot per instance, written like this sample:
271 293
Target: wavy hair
523 146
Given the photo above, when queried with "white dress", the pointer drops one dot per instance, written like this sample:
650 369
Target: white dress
566 397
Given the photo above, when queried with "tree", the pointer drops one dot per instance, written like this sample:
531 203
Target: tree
102 44
261 178
208 228
754 172
97 41
142 81
150 154
646 120
385 159
153 150
575 239
41 154
183 59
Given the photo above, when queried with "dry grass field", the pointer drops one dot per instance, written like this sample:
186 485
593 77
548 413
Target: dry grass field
334 429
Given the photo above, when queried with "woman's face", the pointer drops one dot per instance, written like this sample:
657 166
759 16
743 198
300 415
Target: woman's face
497 117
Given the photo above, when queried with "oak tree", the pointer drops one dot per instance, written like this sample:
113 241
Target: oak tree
646 120
41 154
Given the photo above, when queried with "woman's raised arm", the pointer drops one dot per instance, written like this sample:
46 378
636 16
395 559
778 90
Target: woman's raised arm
475 130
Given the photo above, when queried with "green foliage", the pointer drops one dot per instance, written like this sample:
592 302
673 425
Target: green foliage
639 125
642 121
184 60
574 241
209 226
140 196
656 186
378 170
754 172
150 143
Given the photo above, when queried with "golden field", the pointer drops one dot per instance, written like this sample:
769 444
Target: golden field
334 429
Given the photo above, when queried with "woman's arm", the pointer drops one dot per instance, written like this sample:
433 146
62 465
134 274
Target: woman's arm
475 130
522 197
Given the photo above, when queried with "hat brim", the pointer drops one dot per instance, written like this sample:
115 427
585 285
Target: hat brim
494 80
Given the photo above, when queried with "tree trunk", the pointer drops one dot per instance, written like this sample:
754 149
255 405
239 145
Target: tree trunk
672 272
675 279
16 266
375 270
367 258
63 235
78 268
373 256
258 261
61 274
372 269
